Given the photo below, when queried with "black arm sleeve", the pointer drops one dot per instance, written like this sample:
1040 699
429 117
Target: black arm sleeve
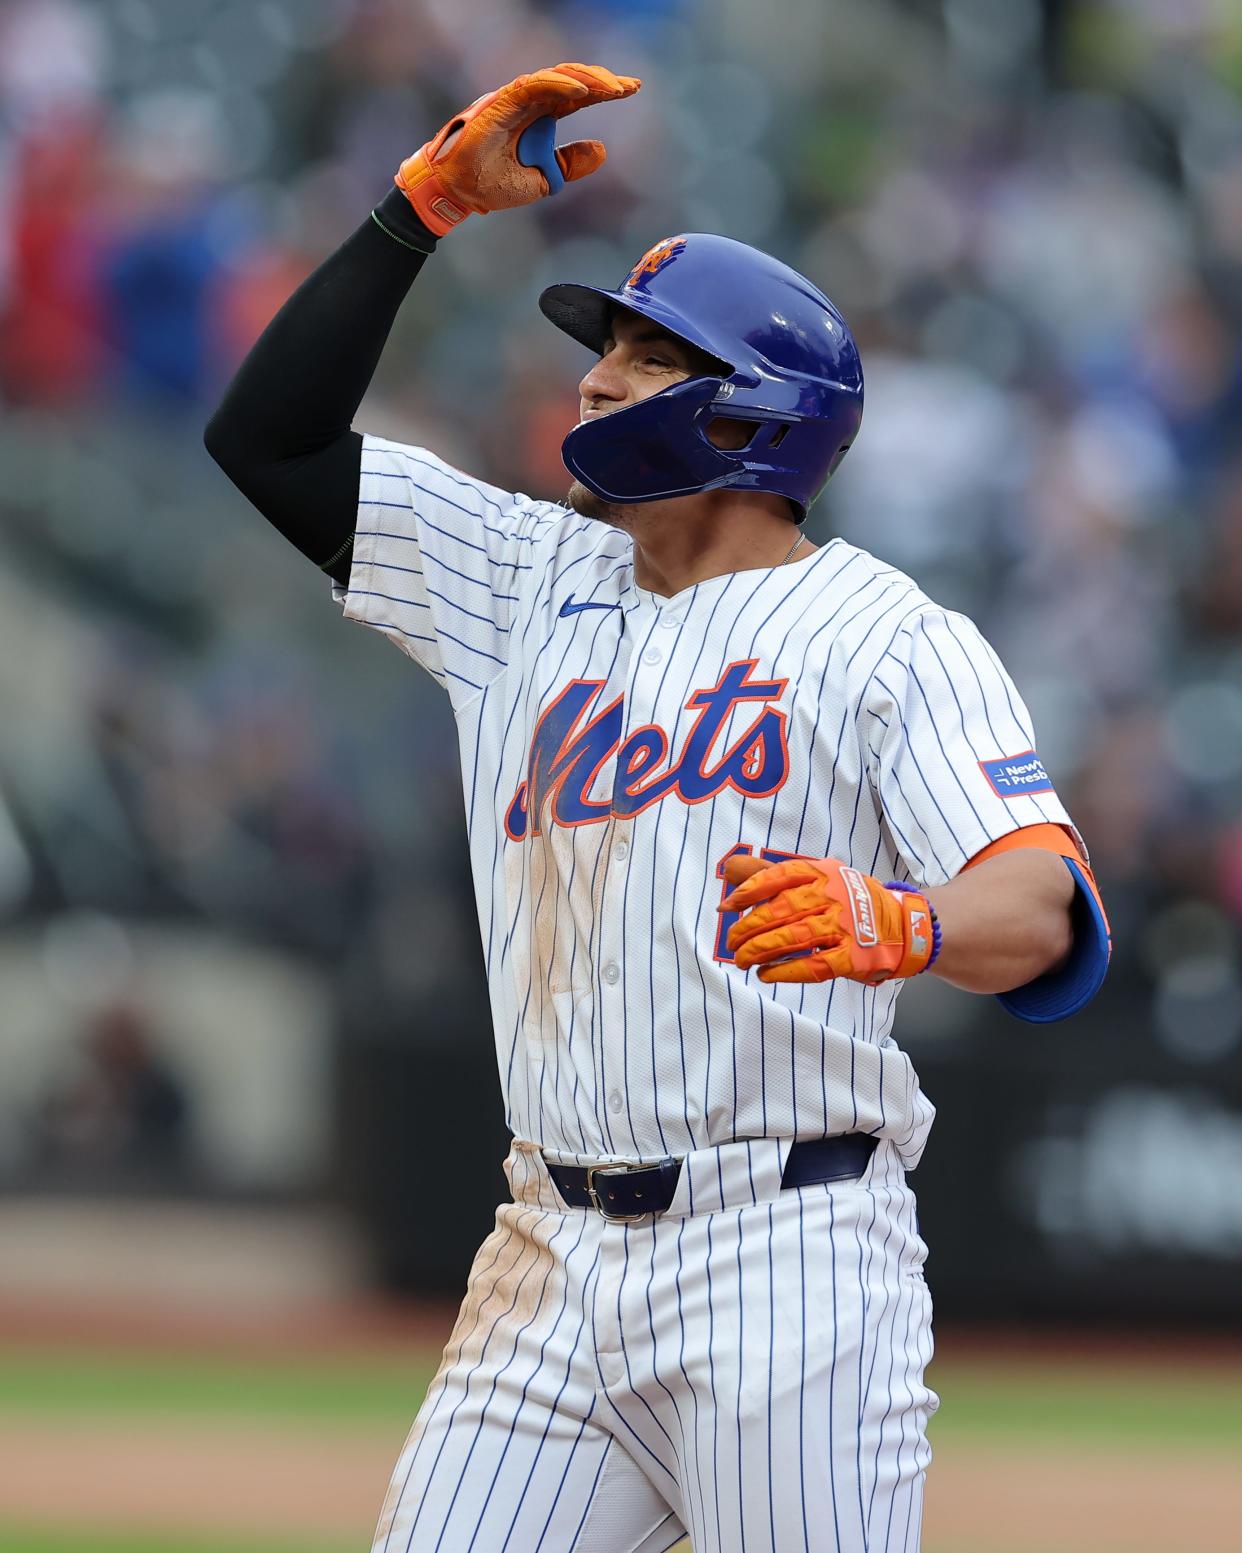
282 431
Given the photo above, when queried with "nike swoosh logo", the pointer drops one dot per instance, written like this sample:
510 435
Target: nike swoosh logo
570 608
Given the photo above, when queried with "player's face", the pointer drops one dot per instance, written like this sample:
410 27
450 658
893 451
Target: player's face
638 360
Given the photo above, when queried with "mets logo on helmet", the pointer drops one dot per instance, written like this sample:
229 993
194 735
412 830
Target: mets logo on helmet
655 259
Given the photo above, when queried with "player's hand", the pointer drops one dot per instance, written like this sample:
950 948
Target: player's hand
483 159
812 919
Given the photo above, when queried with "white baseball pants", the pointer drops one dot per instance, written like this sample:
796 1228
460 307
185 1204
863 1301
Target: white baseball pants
748 1368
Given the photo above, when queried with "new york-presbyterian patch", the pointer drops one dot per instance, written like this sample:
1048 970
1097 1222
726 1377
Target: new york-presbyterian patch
1014 776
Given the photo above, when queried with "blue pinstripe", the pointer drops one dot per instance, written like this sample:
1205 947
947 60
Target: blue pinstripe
832 1370
806 1530
685 831
590 1500
715 852
475 582
445 472
1022 725
711 1371
424 522
914 760
798 846
573 1008
445 1373
441 634
597 1074
771 1363
474 1369
798 682
473 487
701 1530
543 1347
819 705
643 1446
655 1368
491 1396
810 572
741 1380
601 1111
636 657
655 844
891 1349
909 850
918 684
629 1377
905 1348
864 1286
447 501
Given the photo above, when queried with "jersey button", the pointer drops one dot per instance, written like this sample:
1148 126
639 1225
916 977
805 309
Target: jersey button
652 655
670 624
621 851
612 973
615 1101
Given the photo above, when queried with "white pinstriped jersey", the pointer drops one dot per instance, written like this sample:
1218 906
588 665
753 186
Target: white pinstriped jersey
617 746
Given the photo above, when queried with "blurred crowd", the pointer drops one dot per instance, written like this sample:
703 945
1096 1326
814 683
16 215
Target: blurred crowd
1030 213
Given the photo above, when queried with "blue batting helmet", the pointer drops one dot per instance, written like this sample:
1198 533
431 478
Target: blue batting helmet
786 358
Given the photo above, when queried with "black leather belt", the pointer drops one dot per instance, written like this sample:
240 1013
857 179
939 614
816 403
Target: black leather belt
628 1192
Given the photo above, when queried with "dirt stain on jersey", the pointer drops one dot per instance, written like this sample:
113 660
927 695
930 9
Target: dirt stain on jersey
566 869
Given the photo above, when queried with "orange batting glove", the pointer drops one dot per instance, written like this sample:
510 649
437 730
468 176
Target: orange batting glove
812 919
475 164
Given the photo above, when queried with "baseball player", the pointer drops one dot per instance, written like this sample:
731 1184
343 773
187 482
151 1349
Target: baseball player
726 791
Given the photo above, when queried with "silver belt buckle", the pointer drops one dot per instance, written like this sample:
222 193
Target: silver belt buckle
613 1170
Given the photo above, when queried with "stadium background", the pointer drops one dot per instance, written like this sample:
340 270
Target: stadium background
242 1030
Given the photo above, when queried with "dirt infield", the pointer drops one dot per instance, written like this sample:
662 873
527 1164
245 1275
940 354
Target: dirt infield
1021 1487
996 1499
232 1482
228 1480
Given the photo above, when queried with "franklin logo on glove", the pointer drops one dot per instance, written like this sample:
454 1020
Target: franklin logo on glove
860 907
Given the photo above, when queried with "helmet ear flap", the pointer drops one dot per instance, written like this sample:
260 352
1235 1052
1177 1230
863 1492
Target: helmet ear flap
652 450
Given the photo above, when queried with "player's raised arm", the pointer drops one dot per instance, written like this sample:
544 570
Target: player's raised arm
283 431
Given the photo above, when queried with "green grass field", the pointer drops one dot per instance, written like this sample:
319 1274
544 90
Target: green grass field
29 1539
1058 1400
1156 1410
372 1392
